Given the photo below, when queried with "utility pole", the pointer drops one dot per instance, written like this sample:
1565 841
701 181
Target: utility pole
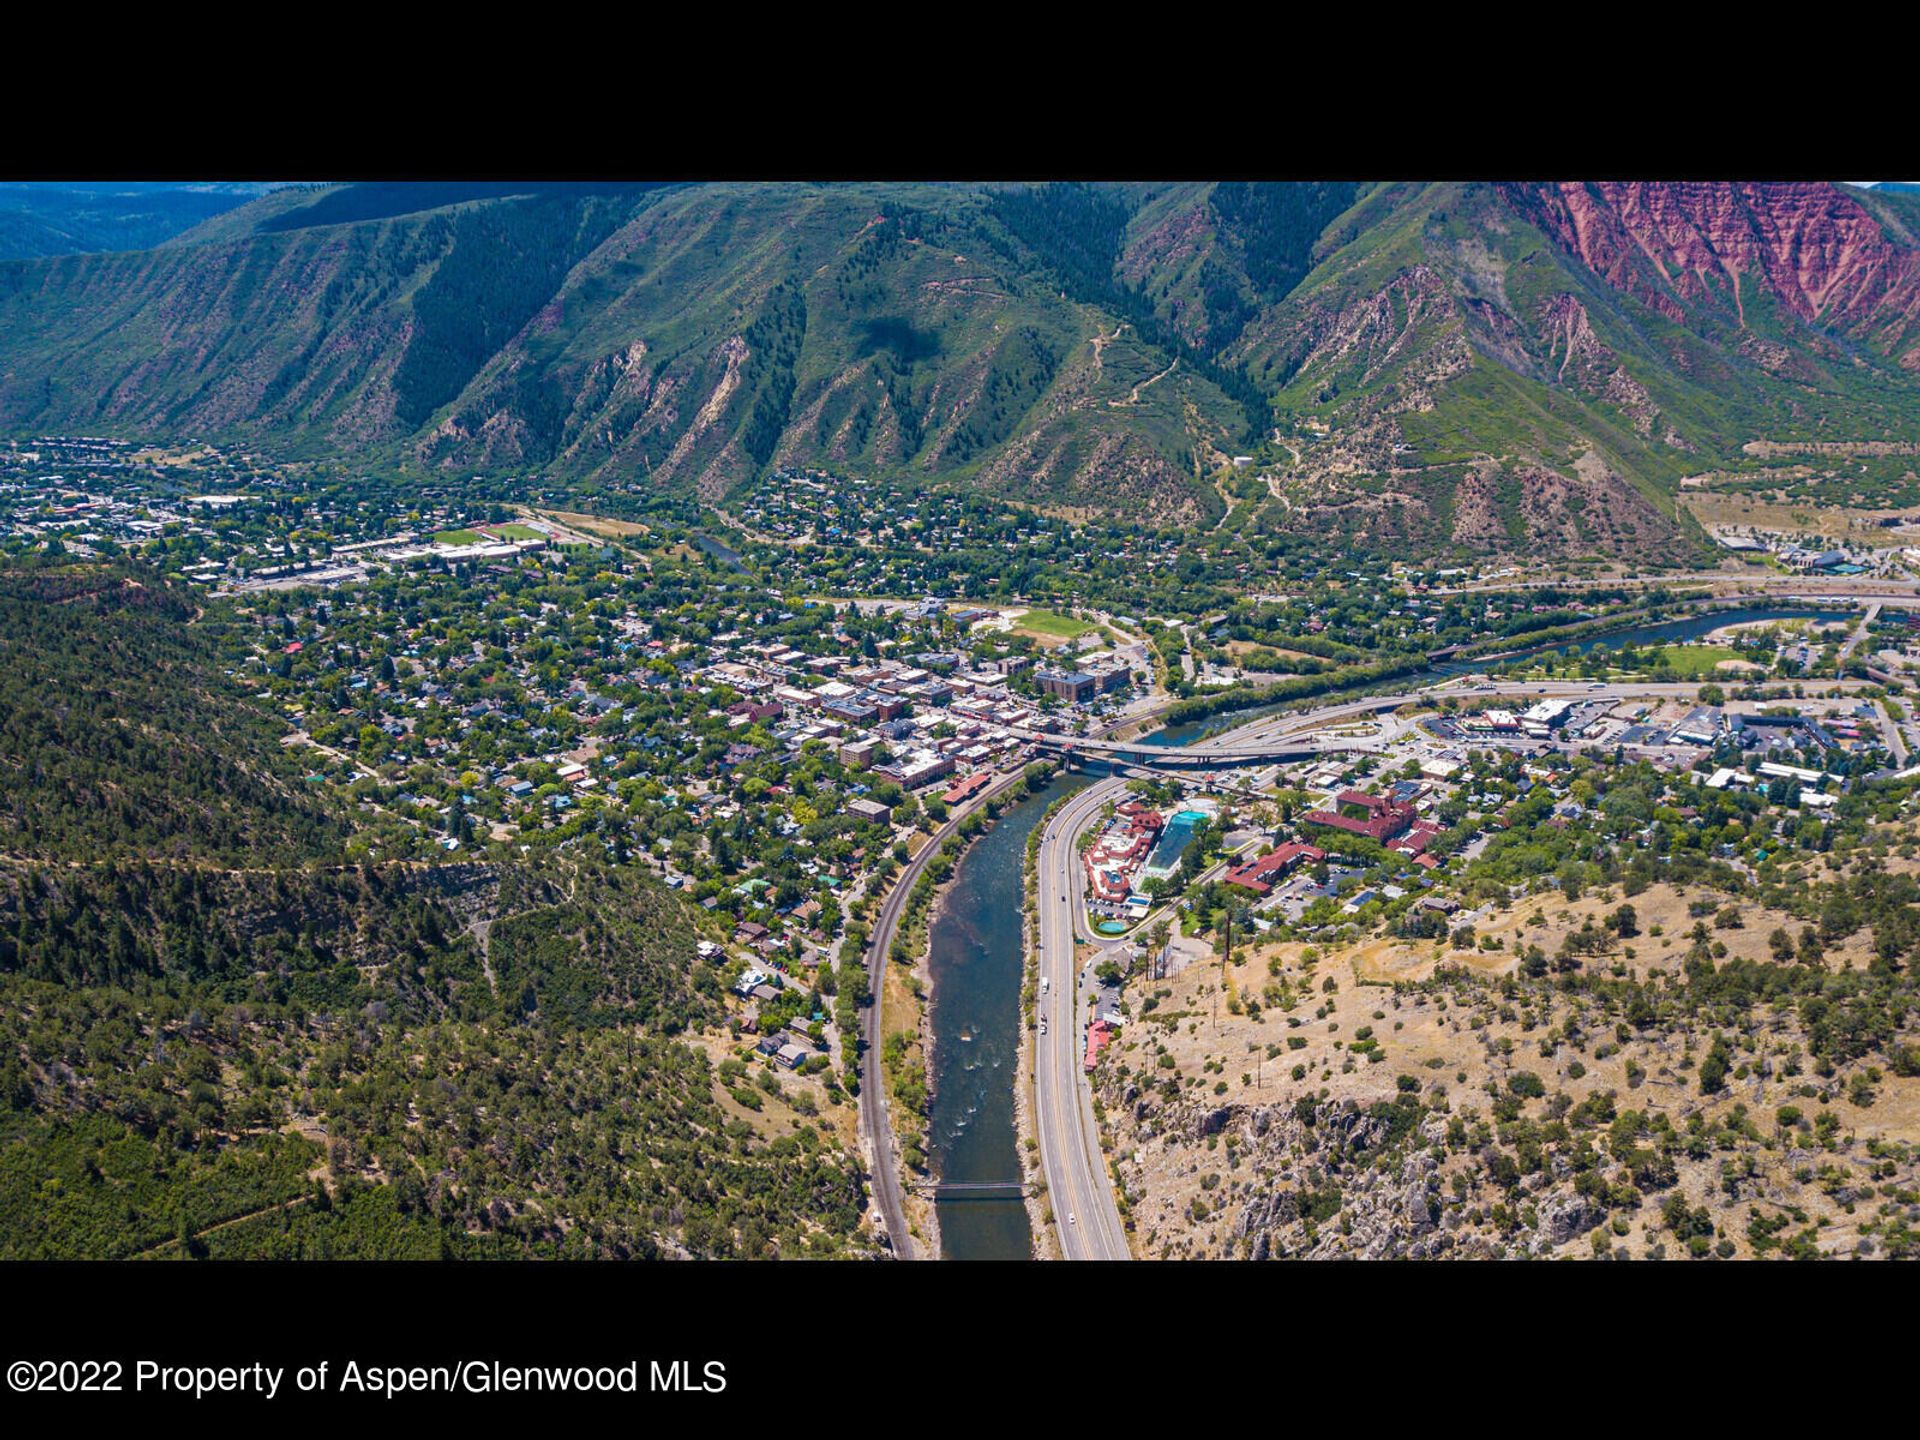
1226 956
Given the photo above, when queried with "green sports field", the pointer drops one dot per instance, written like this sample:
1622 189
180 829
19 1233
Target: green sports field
1050 622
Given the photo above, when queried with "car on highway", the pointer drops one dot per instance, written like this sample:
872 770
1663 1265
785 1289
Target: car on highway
1046 983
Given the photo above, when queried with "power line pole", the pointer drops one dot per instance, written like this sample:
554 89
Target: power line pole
1225 956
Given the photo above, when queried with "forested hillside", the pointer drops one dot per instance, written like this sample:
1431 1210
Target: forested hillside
1489 367
120 740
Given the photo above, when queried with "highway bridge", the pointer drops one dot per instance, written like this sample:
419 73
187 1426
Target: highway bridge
1274 751
1168 757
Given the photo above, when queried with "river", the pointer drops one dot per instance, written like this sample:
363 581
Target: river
977 959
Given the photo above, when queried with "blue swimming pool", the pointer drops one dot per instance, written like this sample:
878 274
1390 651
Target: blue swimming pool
1173 840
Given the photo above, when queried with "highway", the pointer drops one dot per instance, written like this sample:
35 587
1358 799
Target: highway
1763 588
1786 590
1084 1213
1069 1138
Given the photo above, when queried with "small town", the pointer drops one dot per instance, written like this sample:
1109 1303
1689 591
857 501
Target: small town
561 719
806 763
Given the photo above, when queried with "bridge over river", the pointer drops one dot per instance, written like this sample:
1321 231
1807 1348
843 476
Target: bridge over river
1217 755
976 1190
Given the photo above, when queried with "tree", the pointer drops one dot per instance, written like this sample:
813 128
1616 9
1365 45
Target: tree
1713 1069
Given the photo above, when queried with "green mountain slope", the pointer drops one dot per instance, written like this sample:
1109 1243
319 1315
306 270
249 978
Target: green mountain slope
732 328
122 740
686 337
1450 372
1484 366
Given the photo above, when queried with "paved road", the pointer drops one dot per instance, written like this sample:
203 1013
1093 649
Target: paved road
1261 740
1896 735
1078 1188
1859 634
1746 587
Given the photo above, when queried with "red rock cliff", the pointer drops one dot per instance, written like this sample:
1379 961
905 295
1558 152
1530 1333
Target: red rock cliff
1816 248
